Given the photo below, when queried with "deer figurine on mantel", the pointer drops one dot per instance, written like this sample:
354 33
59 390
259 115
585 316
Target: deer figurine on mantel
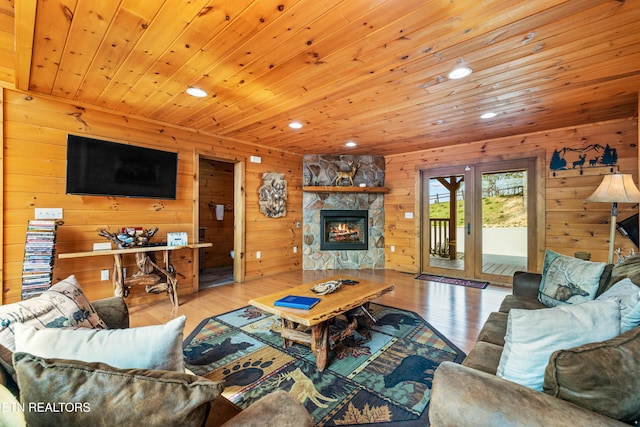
346 174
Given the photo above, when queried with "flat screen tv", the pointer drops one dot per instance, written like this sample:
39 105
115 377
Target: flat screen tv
103 168
629 228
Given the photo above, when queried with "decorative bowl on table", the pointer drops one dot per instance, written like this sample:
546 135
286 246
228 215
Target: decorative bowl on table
129 237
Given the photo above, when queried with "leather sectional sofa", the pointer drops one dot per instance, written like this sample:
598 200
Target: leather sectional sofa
593 384
276 409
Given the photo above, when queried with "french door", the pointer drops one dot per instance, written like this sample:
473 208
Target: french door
479 220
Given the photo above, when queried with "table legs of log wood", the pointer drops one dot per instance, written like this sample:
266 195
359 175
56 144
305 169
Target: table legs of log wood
119 288
320 344
320 339
172 281
118 277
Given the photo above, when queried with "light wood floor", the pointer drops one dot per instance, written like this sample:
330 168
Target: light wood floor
456 311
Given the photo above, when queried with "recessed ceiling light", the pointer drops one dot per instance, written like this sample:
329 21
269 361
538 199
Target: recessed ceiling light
350 144
459 72
295 125
488 115
197 92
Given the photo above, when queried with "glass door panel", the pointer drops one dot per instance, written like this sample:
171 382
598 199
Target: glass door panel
479 221
446 242
504 222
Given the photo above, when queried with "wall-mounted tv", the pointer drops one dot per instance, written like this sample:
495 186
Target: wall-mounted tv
629 228
103 168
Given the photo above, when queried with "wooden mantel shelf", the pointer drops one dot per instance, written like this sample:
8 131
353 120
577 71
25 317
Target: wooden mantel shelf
339 189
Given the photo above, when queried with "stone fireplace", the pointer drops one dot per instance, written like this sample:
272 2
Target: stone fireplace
359 242
344 230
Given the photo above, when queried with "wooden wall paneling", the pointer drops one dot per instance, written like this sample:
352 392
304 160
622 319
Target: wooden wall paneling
35 151
563 197
2 207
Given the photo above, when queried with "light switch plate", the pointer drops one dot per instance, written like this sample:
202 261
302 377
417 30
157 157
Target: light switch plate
48 213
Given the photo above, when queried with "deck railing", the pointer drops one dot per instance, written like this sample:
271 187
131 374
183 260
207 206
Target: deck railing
440 238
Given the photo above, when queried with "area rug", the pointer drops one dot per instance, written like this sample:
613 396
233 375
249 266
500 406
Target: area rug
454 281
385 381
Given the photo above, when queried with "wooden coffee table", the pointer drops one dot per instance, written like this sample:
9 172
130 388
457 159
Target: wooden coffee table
318 318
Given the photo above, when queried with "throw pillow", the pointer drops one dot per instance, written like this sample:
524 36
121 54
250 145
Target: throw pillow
568 280
628 296
599 376
532 335
62 305
147 347
69 393
629 268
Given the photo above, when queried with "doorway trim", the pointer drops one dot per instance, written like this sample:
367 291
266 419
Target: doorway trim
537 156
238 209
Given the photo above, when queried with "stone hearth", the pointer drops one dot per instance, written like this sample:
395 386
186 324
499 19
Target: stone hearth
371 173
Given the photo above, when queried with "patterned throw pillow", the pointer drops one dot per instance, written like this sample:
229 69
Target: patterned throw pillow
62 305
568 280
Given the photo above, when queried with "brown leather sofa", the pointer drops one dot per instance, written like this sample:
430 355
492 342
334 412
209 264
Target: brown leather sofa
471 394
276 409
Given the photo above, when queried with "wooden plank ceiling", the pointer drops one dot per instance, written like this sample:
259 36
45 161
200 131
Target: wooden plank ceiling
370 71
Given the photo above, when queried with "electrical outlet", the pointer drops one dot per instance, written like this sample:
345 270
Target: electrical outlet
104 274
393 248
295 249
258 255
408 215
48 213
256 159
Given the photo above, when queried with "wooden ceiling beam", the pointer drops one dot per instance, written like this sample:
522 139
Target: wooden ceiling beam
25 22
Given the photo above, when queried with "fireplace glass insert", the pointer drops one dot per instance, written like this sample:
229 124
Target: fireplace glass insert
344 229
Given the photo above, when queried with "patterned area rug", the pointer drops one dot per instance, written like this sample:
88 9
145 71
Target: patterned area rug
384 381
454 281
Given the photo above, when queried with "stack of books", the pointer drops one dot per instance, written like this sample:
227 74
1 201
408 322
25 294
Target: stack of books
39 255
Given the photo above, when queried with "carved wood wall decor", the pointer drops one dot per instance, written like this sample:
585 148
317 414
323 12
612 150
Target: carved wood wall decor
273 195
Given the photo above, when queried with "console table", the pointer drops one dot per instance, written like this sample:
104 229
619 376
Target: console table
157 278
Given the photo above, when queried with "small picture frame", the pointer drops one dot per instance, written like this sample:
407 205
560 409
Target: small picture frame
177 239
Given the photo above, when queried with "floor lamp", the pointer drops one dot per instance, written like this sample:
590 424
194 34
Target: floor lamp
615 188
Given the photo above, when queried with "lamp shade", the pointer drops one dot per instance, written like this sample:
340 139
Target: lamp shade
616 187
